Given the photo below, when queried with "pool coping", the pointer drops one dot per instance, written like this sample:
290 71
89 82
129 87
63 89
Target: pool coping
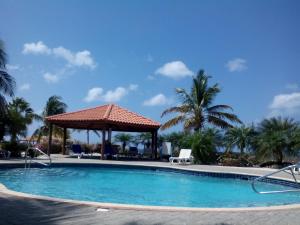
116 206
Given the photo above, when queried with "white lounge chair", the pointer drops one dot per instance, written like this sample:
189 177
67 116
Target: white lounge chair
183 158
166 149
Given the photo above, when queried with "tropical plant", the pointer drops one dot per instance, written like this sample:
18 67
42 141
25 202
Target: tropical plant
7 82
19 116
240 137
124 138
204 146
197 107
54 106
145 139
277 137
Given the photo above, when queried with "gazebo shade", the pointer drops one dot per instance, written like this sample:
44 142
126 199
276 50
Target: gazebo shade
104 117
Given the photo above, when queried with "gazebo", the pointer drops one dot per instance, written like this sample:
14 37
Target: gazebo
105 118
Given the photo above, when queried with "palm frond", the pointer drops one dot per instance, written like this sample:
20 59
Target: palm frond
218 122
3 55
219 107
173 122
7 83
224 115
179 109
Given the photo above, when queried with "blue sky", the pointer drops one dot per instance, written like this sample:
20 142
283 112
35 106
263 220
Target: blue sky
135 53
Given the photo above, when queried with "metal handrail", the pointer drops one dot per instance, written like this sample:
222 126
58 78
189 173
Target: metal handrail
289 170
35 150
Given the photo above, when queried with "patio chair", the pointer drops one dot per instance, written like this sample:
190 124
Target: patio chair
77 150
183 158
166 150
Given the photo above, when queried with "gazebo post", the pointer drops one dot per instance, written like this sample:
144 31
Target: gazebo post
103 144
109 135
88 136
152 144
64 141
50 139
155 144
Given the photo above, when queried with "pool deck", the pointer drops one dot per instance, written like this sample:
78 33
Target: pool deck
16 209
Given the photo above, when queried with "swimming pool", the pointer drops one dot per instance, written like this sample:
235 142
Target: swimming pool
143 186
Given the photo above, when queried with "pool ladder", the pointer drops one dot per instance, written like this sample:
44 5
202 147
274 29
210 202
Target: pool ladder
36 151
291 170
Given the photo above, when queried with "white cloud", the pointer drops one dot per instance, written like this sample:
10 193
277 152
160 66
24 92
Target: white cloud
82 58
115 95
36 48
133 87
24 87
79 59
51 78
97 94
285 104
292 86
12 67
94 94
159 99
236 65
175 70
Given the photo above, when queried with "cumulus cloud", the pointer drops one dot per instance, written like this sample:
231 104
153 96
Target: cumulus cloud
133 87
94 94
24 87
157 100
285 104
98 94
79 59
175 70
236 65
51 78
36 48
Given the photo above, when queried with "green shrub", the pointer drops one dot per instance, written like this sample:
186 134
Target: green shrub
204 148
14 147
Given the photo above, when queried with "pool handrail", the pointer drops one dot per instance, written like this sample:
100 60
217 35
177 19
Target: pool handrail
286 169
35 150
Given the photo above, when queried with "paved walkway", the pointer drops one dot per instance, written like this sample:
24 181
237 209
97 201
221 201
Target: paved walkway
18 210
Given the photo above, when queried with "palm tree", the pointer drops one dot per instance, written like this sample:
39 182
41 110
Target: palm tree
19 116
54 106
196 107
145 139
7 86
240 137
277 137
7 82
124 139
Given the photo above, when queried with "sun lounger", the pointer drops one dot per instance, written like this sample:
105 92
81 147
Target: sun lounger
77 150
183 158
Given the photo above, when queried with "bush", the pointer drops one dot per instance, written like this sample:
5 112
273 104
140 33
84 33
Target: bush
56 147
14 147
204 148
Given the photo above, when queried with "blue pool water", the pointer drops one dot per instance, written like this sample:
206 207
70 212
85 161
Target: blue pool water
142 187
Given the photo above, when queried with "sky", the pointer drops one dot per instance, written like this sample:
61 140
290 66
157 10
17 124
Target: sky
135 53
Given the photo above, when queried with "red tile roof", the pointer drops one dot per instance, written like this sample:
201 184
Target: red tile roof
101 116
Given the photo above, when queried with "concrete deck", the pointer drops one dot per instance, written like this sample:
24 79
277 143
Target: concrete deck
20 210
